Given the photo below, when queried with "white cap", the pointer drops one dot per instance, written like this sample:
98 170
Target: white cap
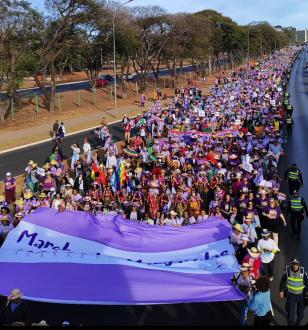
8 174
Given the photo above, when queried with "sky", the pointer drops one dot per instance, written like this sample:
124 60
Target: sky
276 12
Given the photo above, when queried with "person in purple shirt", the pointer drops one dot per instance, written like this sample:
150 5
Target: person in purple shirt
9 188
245 186
242 203
261 203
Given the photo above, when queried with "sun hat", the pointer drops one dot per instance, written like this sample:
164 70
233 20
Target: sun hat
265 232
154 184
138 170
66 323
31 162
173 213
53 162
28 194
19 202
42 195
250 216
253 252
15 294
41 324
238 227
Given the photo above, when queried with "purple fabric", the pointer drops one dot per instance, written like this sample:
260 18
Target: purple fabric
129 235
99 284
108 283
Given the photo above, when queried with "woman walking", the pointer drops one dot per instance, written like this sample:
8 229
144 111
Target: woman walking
261 303
76 155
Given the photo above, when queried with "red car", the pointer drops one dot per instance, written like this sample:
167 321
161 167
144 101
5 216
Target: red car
101 82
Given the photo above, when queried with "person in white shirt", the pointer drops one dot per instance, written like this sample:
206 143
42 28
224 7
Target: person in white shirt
76 154
192 220
267 247
171 220
202 217
57 202
111 160
133 215
86 148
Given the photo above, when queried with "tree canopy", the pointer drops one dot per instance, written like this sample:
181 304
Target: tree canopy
78 35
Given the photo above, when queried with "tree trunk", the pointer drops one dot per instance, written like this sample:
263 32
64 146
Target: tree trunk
210 65
4 108
53 86
41 85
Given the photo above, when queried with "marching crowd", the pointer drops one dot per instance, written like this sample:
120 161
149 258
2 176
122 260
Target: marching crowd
192 160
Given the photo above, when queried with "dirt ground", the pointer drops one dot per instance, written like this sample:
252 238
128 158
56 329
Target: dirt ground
28 126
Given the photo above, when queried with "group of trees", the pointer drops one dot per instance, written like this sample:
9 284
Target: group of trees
77 35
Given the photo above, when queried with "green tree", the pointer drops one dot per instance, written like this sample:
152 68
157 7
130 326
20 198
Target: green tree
19 30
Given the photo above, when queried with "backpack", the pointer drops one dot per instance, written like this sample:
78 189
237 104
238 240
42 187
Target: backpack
60 130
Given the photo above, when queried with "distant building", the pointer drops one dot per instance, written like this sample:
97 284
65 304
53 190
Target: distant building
302 36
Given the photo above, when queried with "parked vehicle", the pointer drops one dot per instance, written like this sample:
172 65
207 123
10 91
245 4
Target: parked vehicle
103 80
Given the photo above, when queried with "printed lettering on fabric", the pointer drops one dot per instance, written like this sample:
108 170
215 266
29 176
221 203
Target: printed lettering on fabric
117 261
39 244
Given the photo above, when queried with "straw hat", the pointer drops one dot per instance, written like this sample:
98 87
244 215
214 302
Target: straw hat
138 170
250 216
2 199
43 323
15 294
42 195
31 163
176 163
253 252
153 184
19 202
28 194
87 199
46 166
238 227
53 162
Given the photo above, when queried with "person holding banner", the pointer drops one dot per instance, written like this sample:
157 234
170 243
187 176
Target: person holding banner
261 304
15 309
245 282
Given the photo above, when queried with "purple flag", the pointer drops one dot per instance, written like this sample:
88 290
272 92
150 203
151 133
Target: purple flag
78 258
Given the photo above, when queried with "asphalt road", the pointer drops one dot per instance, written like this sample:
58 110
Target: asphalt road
225 313
16 161
79 85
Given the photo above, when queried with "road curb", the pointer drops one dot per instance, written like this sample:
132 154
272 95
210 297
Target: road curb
49 140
